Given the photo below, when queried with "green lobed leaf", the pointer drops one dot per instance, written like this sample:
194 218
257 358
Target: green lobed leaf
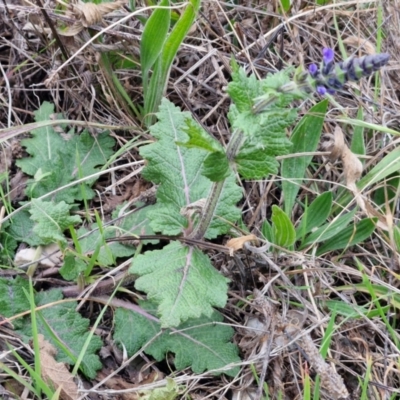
135 223
199 138
254 163
216 167
315 215
266 130
108 252
350 236
52 220
62 159
305 138
21 229
284 232
72 267
226 210
201 344
177 170
69 328
182 281
13 300
243 89
8 245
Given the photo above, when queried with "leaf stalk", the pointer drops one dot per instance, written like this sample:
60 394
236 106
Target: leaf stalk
232 151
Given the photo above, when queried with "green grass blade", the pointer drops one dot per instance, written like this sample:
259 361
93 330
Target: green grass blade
285 4
115 85
368 125
357 141
154 35
158 80
386 167
350 236
305 138
324 351
329 230
315 215
43 386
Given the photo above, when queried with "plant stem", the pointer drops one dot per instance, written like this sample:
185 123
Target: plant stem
232 150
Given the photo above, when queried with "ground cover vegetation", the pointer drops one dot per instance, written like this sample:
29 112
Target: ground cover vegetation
199 200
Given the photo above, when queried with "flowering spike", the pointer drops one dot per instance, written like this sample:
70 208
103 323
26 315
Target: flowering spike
331 76
326 78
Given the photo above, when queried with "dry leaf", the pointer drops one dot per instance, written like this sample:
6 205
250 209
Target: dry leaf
52 253
238 243
55 373
88 14
351 164
358 42
353 168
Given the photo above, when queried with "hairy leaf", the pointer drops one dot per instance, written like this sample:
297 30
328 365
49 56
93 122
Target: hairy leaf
199 138
8 245
254 163
264 126
62 159
52 220
199 344
61 321
13 300
72 267
216 167
21 229
182 281
243 89
177 170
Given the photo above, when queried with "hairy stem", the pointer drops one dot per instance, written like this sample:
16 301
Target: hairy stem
212 200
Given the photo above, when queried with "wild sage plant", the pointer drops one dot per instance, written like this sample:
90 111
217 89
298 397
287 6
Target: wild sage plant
197 193
196 199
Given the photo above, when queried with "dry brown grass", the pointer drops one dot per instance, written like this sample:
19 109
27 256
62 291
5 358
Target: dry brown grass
261 39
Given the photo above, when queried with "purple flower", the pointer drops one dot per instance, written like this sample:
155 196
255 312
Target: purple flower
313 70
328 55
